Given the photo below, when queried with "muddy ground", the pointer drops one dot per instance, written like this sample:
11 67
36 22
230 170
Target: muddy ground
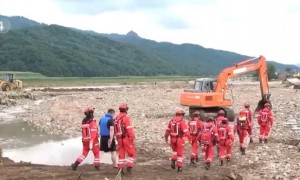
150 107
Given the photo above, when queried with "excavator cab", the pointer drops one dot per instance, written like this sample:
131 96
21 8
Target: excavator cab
9 77
205 85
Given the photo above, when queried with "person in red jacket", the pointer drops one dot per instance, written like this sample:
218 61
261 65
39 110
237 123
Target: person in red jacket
241 128
125 137
249 115
176 129
90 139
226 140
265 120
208 138
221 115
195 126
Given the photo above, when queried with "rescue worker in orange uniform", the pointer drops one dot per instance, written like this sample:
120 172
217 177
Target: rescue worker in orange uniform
221 115
241 128
90 139
265 120
125 137
249 115
195 126
208 138
176 129
226 140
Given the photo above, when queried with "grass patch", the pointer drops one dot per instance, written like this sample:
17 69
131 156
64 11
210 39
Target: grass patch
31 79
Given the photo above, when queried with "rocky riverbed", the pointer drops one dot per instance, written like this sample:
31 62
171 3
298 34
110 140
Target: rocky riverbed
151 106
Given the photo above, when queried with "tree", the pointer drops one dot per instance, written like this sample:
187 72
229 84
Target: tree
288 69
271 71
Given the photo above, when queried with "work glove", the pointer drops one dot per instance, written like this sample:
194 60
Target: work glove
166 140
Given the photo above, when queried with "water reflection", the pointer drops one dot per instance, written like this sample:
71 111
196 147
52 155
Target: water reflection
53 153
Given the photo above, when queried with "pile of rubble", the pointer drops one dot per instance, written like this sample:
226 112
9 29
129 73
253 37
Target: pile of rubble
11 98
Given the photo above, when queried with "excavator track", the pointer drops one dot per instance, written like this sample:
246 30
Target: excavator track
205 113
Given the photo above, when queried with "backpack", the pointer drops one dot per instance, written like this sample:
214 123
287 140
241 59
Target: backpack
222 132
206 136
193 127
120 129
175 128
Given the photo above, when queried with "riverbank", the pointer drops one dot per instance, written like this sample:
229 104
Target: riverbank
151 106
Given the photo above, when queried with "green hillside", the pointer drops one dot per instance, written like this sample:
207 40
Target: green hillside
190 56
54 50
58 51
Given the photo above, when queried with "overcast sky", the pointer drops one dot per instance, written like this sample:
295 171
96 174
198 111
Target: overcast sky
250 27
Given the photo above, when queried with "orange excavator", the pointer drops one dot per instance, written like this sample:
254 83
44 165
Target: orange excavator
208 95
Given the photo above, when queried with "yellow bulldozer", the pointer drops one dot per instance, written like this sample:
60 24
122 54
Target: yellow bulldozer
10 83
297 75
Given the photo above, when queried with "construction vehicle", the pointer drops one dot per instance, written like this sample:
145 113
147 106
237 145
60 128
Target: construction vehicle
10 83
208 95
297 75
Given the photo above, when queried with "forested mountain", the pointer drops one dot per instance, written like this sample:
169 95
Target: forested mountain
206 60
60 51
19 22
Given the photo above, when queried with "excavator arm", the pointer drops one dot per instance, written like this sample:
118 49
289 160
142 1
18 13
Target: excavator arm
242 68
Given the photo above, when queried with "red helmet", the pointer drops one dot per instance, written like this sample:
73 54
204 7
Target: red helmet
179 112
267 105
210 119
246 105
89 109
242 113
196 113
221 112
123 106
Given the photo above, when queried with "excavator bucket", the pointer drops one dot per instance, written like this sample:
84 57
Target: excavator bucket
261 104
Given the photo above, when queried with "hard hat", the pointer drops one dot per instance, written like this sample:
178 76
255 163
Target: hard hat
179 111
123 106
221 112
89 109
246 104
267 105
196 113
210 119
243 113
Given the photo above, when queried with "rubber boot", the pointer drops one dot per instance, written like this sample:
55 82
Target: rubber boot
179 169
197 159
129 170
266 141
192 161
207 166
221 163
251 140
173 164
228 160
243 151
260 140
97 168
74 165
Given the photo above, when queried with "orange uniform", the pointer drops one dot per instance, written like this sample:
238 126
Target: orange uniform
125 137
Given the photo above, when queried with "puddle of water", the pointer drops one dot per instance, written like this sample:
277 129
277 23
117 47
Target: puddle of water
54 153
9 114
18 134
